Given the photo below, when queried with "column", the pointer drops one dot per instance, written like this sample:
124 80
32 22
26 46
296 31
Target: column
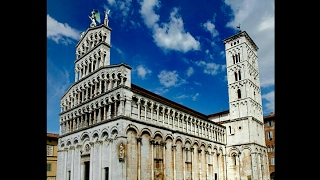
178 119
258 156
91 159
74 123
199 162
192 161
168 116
139 109
174 161
185 120
105 85
163 111
101 58
82 171
72 149
115 108
164 158
89 118
184 150
145 110
109 111
139 157
100 158
79 161
82 122
110 84
95 89
152 158
99 115
82 97
104 111
79 95
94 116
122 105
151 113
65 162
110 159
204 132
207 163
157 112
87 94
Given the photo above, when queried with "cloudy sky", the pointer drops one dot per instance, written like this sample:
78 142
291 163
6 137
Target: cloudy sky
175 47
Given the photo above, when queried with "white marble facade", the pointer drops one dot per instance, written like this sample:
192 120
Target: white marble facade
113 129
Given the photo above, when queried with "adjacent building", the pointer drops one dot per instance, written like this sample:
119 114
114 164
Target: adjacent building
269 128
52 154
111 128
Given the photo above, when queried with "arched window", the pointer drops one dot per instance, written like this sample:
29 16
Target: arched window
235 76
239 75
239 93
233 57
234 159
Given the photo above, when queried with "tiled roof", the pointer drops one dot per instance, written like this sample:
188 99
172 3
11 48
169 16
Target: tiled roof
52 135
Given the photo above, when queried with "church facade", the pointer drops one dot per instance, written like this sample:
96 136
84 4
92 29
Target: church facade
111 128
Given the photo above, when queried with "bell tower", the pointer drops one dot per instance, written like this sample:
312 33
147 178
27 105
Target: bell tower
245 127
243 77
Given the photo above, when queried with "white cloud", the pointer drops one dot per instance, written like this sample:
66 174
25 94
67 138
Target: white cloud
172 36
190 71
120 6
194 98
61 33
257 19
161 91
210 68
209 26
147 12
143 71
169 36
269 106
170 78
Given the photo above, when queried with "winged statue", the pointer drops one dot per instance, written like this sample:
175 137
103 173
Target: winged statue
95 16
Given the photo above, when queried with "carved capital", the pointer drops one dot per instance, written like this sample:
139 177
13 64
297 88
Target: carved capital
139 139
152 141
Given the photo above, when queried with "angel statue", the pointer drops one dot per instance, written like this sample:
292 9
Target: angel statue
106 14
95 16
106 20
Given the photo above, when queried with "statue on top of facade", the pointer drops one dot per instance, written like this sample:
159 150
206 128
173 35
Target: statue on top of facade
95 16
106 20
106 14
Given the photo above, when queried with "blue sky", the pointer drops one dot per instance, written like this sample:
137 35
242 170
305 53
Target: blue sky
175 47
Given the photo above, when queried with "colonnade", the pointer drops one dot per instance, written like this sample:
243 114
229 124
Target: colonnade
155 113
